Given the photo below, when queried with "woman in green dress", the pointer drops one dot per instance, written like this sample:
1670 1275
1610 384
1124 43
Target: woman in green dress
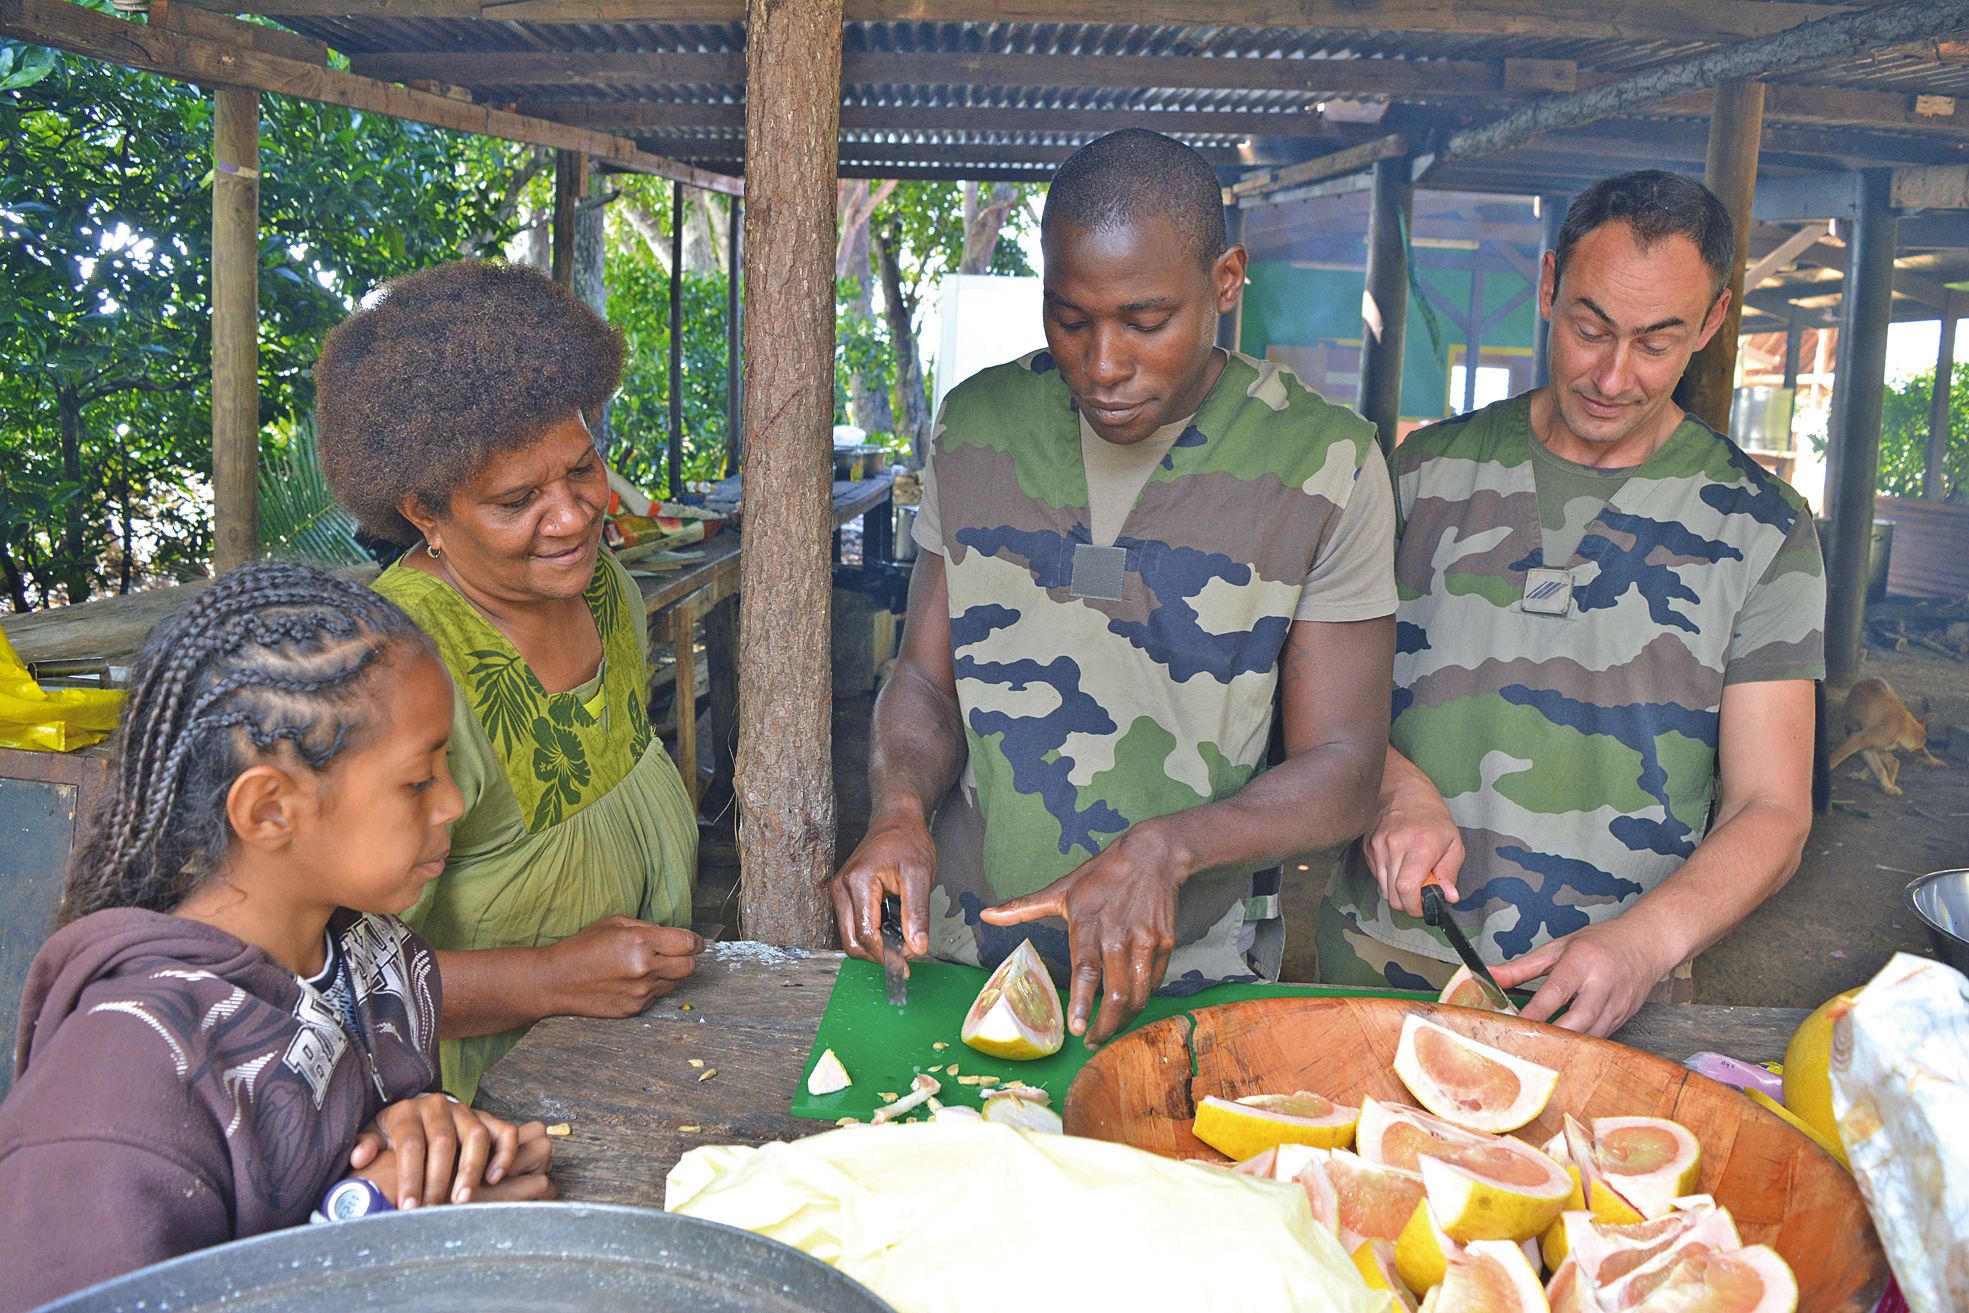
452 414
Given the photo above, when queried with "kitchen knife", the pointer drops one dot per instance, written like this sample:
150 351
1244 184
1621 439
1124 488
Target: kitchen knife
892 958
1436 912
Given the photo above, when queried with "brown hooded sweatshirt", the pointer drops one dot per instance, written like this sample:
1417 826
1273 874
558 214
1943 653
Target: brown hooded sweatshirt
175 1088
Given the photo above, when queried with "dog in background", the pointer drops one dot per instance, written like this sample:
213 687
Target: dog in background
1878 724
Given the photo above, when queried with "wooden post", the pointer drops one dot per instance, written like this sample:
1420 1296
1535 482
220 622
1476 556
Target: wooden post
785 686
1551 215
1934 478
1230 327
734 314
674 457
235 327
1384 299
1853 454
1473 346
1735 128
570 181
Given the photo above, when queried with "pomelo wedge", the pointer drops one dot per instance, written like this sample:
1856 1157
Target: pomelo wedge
1243 1127
1305 1165
1470 1084
1697 1279
1495 1194
1024 1114
1607 1252
1490 1276
1649 1161
1422 1251
1463 991
1375 1261
1570 1292
1553 1245
1017 1014
1602 1200
1373 1202
1396 1135
828 1075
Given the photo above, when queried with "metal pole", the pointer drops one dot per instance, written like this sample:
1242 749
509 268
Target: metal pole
1551 214
1853 454
1794 342
1230 325
235 327
735 224
1473 347
1735 127
1934 479
1384 302
674 458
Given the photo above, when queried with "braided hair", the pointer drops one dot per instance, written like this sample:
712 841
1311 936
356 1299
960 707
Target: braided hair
270 661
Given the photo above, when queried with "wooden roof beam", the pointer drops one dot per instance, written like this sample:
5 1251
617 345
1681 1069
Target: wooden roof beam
1331 77
630 116
1351 160
1839 106
1678 21
156 48
1817 42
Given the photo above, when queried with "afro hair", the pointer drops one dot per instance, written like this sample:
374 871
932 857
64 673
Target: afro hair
443 370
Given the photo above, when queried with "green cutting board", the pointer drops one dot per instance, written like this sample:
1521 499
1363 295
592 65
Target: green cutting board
883 1047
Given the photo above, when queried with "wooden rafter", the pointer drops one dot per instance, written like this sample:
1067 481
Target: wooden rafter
1679 21
1835 106
1351 160
178 54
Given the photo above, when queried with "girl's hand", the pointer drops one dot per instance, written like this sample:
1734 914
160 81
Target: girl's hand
526 1180
434 1142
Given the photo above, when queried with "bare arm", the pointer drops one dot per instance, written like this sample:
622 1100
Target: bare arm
1120 907
916 751
1412 837
1603 973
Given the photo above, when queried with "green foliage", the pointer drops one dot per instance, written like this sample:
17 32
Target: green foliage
299 517
105 346
1904 437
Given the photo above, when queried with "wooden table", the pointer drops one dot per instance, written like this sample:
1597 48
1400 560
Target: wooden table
677 600
627 1087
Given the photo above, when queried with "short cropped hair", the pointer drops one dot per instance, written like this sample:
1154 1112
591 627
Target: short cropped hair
446 369
1134 174
1655 205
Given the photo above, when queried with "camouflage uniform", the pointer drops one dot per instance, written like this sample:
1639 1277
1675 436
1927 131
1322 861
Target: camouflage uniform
1577 751
1083 716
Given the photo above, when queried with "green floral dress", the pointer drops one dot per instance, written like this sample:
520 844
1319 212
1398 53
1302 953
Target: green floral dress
573 810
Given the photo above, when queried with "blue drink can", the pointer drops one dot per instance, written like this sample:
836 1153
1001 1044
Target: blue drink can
351 1198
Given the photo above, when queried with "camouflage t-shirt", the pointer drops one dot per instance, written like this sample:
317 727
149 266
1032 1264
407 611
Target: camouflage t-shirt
1577 750
1102 686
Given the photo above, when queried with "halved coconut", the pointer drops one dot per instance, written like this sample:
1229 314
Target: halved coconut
1396 1135
1506 1191
1650 1161
1243 1127
1017 1014
1490 1276
1697 1279
1467 1083
1463 991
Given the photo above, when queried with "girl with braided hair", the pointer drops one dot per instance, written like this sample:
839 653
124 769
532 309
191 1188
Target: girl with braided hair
230 1017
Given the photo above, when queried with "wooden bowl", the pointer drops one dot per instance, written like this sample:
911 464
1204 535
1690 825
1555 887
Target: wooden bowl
1782 1189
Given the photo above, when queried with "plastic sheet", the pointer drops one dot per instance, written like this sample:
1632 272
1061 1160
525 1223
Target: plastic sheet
1900 1089
937 1218
58 721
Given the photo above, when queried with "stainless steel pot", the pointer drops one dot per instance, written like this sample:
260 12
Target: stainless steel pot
491 1258
1941 900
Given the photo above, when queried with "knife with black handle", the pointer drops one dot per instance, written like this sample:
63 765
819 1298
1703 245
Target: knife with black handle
1436 912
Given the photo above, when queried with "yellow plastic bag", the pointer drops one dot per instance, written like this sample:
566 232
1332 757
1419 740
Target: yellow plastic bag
61 721
959 1217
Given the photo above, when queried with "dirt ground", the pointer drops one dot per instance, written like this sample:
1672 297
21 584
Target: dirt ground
1830 928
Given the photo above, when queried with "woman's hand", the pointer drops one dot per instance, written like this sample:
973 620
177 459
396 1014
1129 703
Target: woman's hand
617 967
432 1149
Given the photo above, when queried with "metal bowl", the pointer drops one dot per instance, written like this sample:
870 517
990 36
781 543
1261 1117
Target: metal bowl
491 1258
1941 900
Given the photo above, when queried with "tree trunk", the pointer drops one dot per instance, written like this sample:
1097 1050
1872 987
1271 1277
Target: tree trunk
16 584
901 312
703 254
591 275
123 517
71 563
868 404
982 224
650 229
785 774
